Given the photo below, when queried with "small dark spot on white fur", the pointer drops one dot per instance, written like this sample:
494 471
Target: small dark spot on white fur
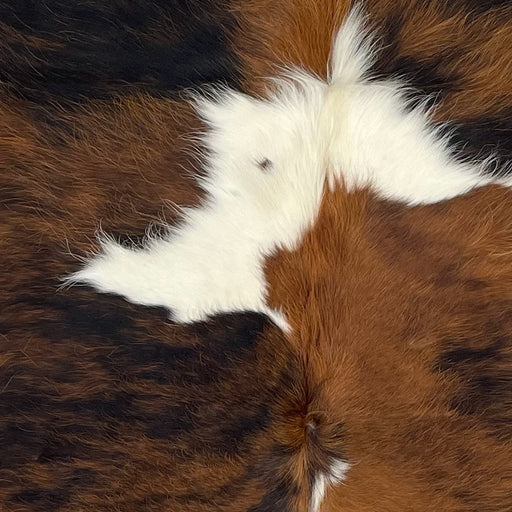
265 164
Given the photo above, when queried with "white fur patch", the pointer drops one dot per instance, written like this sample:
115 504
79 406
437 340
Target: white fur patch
336 474
267 164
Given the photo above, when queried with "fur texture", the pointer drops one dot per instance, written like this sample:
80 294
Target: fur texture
71 52
101 400
397 362
454 53
348 129
405 317
335 474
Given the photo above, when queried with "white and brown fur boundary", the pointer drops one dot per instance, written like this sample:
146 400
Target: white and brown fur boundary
268 164
103 390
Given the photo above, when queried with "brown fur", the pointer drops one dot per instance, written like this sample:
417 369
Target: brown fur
275 34
469 51
400 360
105 405
405 317
116 162
457 55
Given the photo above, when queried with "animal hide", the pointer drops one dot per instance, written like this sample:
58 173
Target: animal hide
256 256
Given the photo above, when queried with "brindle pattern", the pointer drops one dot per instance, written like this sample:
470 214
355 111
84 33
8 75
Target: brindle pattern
107 406
58 50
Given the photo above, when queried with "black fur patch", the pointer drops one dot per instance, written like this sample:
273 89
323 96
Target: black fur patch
431 80
482 6
207 392
278 498
41 500
483 365
485 137
94 49
427 78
